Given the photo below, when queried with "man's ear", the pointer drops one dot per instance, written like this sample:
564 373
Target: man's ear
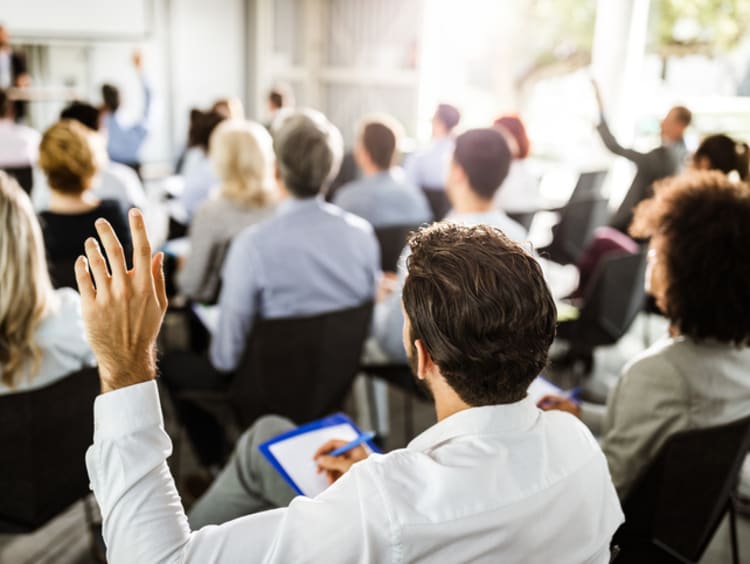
424 360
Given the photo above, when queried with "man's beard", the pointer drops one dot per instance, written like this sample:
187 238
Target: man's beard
411 358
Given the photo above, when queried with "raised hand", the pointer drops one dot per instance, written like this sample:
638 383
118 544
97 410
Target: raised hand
124 311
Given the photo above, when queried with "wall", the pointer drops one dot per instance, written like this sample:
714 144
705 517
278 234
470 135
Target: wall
193 53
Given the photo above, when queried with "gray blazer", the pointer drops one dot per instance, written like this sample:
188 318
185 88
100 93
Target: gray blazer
676 385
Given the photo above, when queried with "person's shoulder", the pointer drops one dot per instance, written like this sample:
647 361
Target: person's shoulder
65 311
655 366
348 220
110 209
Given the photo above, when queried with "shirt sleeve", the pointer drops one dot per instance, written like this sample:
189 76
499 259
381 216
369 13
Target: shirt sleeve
614 146
242 282
648 405
190 278
143 518
389 317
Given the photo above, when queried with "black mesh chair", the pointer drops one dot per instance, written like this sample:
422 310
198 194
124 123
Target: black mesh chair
45 433
589 186
612 300
674 509
438 200
392 241
578 221
300 368
24 175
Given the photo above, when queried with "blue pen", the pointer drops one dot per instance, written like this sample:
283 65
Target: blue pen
363 438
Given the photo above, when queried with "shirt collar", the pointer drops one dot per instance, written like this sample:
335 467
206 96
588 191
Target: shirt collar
489 419
293 204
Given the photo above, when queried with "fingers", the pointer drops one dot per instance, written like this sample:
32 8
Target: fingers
328 447
83 280
333 463
160 283
98 267
113 249
141 249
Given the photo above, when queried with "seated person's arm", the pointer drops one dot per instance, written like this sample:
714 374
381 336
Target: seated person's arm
648 405
241 285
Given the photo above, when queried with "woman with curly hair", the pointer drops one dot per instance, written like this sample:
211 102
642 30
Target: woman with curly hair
69 159
42 337
699 375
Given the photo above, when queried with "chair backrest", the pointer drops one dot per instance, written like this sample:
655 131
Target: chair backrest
392 241
211 285
44 435
578 221
588 186
613 298
300 368
680 500
524 219
438 200
24 175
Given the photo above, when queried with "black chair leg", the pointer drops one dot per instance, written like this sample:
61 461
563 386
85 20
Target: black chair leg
733 532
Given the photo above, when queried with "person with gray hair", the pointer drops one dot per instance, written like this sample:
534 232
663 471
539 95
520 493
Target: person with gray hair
310 258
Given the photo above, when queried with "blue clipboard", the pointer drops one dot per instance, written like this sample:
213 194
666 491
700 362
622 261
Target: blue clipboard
331 421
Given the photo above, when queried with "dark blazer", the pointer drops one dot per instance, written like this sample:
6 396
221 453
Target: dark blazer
18 67
659 163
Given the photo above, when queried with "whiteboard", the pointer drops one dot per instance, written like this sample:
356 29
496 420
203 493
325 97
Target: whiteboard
76 19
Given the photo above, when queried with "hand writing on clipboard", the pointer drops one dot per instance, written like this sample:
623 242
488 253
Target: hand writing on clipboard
335 457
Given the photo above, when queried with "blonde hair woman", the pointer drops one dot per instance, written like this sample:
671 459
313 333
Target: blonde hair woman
242 156
41 330
69 159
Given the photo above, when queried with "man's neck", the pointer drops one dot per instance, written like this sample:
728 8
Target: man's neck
371 170
447 401
469 203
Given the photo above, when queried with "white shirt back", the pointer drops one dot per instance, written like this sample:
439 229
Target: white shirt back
505 483
19 145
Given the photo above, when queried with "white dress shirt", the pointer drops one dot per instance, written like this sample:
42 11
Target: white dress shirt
19 145
489 484
61 338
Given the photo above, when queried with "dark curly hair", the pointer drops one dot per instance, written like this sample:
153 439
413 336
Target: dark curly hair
704 220
480 305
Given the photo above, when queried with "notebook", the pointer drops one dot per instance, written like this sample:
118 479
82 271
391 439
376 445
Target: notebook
291 453
541 387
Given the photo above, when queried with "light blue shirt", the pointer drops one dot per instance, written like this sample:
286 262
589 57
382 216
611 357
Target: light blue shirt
388 320
200 179
310 258
385 199
428 168
125 141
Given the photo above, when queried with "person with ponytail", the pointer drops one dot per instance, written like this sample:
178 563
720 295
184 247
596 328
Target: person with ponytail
722 153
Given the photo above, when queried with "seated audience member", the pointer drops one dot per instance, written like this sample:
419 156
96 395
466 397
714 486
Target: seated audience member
67 156
494 480
309 258
42 337
114 181
242 156
124 141
279 98
520 190
666 160
480 163
428 168
699 225
716 152
383 197
200 177
19 145
231 108
722 153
